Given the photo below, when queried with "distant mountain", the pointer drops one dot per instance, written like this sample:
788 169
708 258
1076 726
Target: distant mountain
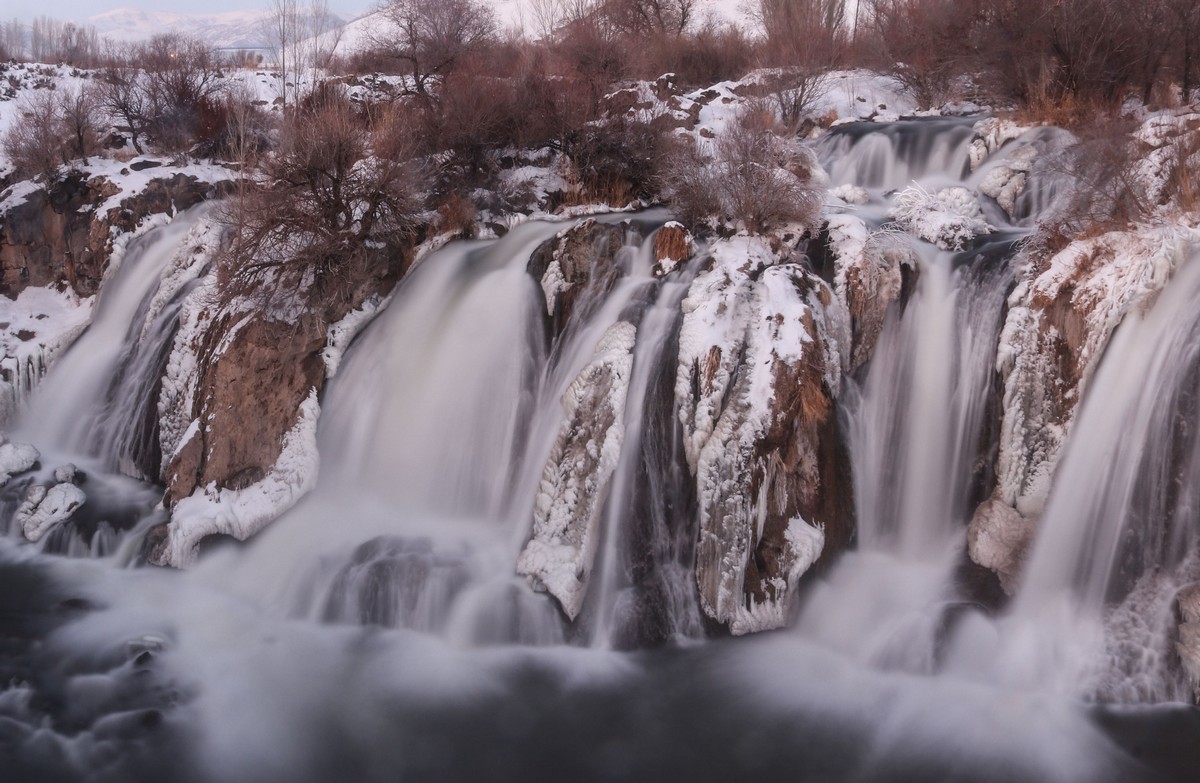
234 29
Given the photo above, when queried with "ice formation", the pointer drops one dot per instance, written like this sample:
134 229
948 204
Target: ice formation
561 553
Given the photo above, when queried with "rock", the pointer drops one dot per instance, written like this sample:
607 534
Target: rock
1006 181
574 483
1060 318
672 245
998 538
67 474
218 431
871 269
42 509
576 269
950 218
760 365
16 458
55 237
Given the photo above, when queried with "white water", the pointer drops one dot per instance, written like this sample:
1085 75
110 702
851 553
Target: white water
433 437
59 412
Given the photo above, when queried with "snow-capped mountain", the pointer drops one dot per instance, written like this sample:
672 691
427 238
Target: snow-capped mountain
232 29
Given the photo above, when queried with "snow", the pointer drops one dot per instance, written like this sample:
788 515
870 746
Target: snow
339 335
243 512
950 218
35 329
562 550
16 458
43 509
1101 280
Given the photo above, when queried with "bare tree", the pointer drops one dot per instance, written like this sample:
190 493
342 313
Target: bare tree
124 94
432 36
552 16
648 17
324 199
807 38
55 128
283 31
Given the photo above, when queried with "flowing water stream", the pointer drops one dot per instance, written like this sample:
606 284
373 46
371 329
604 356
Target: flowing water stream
379 631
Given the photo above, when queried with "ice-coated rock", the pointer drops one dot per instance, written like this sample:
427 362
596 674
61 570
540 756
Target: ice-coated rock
576 267
16 458
870 269
950 218
851 194
998 538
1006 181
760 361
43 508
560 554
1060 319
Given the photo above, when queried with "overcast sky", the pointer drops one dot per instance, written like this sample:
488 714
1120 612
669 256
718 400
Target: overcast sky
78 10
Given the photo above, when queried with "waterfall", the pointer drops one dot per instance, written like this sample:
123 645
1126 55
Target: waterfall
435 434
96 408
60 412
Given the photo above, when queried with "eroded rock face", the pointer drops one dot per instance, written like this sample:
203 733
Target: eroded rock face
1060 319
1187 604
55 237
576 269
240 385
872 271
760 364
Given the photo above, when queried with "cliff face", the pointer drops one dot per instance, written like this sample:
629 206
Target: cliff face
66 235
239 403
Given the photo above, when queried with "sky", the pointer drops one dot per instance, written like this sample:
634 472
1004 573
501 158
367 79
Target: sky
78 10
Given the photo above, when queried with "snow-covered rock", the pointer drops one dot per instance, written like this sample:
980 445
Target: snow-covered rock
760 362
43 509
950 218
560 554
16 458
1060 319
870 269
243 512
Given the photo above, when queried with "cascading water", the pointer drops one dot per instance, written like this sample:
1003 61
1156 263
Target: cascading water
95 407
438 439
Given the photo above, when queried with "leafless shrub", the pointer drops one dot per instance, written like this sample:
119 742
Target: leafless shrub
752 177
615 162
1102 191
325 201
55 128
173 95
